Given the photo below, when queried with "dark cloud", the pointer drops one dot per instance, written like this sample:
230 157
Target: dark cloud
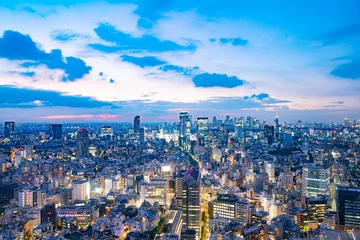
16 46
111 80
124 41
12 97
338 102
184 70
348 70
207 80
146 61
340 34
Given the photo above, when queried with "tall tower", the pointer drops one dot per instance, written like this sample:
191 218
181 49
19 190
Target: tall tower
191 201
83 142
137 124
202 126
184 129
9 129
277 126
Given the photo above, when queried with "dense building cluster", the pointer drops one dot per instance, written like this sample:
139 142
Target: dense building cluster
237 178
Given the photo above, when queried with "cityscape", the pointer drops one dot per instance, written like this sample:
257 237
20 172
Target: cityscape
179 120
197 178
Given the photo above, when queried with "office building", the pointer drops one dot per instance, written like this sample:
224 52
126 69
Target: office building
83 142
82 214
48 214
81 190
184 129
348 206
142 135
26 197
231 207
155 191
137 124
203 126
9 129
270 170
39 198
215 121
315 180
55 131
269 134
191 202
286 180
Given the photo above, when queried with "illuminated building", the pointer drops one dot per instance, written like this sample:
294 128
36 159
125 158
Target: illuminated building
231 207
55 131
348 206
215 121
9 129
82 214
203 126
81 190
316 180
191 202
142 135
137 124
270 170
39 198
106 131
317 206
26 197
155 191
83 143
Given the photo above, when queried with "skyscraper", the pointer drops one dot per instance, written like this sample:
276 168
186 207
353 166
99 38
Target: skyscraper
269 134
191 202
348 206
202 126
277 126
137 124
83 142
316 180
55 131
215 121
81 190
9 129
184 129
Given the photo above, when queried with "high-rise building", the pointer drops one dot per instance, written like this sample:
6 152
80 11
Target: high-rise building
191 202
231 207
81 190
83 142
55 131
286 180
277 127
215 121
269 134
9 129
348 206
39 198
184 129
203 126
137 124
270 170
142 135
316 180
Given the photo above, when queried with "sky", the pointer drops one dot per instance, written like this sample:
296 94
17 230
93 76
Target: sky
78 60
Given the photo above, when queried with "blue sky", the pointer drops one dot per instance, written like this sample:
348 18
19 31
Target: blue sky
62 60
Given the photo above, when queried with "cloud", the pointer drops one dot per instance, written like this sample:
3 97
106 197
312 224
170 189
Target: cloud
12 97
124 41
348 70
184 70
151 10
207 80
33 11
146 61
16 46
81 116
234 41
265 98
67 35
111 80
340 34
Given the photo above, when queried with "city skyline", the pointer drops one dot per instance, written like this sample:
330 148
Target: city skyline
84 61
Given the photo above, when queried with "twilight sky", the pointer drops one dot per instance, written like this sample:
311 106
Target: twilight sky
78 60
